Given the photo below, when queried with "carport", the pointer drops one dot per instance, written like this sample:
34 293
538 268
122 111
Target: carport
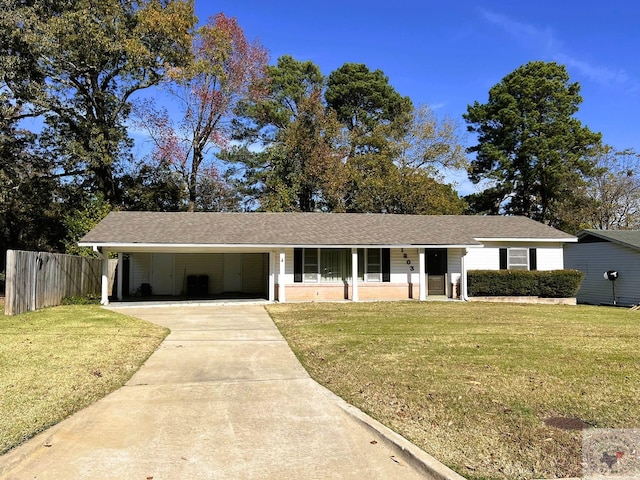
196 274
192 275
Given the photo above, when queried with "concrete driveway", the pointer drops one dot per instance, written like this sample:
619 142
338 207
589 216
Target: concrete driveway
222 398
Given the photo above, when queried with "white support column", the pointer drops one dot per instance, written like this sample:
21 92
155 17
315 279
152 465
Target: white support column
463 276
423 275
120 268
272 276
354 274
104 298
281 289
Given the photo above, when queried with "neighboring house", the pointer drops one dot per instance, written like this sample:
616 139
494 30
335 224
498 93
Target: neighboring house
311 256
599 251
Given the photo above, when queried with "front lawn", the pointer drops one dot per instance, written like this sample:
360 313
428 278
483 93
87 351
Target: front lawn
56 361
472 383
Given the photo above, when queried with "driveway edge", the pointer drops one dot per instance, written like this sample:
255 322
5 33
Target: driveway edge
29 448
410 453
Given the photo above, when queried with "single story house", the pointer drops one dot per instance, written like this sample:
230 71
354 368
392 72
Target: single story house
316 256
601 251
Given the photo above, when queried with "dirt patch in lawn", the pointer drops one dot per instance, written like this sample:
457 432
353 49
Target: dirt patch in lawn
564 423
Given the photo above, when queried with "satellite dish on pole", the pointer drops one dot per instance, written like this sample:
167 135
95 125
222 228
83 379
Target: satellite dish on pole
612 276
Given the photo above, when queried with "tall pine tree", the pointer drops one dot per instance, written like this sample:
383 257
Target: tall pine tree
531 149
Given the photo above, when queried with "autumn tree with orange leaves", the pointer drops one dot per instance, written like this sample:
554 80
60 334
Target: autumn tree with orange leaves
226 69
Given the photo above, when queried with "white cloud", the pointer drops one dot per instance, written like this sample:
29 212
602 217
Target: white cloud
523 32
437 106
544 42
599 74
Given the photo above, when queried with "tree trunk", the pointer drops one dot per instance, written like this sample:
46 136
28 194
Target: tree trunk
105 183
193 179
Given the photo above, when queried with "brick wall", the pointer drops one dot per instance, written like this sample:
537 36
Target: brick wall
366 291
317 292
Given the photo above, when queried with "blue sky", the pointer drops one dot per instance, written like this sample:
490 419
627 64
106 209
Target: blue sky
448 54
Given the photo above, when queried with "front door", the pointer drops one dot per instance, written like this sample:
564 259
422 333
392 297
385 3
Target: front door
232 272
162 274
436 271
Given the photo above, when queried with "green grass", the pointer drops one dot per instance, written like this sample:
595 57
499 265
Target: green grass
472 384
56 361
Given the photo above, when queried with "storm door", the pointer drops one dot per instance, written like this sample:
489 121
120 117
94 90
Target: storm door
436 271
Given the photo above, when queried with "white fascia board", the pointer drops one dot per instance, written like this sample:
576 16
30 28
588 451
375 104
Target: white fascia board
114 247
176 247
172 245
529 240
367 245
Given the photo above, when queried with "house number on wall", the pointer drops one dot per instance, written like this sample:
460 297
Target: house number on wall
404 255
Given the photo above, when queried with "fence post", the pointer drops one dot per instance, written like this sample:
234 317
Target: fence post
10 285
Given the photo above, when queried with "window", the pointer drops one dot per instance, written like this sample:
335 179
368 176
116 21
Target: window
310 264
374 270
518 259
334 265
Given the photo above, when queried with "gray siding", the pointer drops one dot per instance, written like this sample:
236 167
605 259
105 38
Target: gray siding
596 258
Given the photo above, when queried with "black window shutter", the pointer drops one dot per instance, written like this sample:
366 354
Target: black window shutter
297 265
386 264
503 259
533 259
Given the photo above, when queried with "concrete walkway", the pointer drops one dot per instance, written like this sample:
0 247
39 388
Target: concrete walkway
222 398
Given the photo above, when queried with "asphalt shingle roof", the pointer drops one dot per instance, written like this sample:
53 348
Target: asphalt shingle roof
629 238
300 229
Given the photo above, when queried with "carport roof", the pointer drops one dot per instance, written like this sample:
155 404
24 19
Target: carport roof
312 229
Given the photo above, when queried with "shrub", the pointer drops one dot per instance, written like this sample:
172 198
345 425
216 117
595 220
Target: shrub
560 283
516 283
88 299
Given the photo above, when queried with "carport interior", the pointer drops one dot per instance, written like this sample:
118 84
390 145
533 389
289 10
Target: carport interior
195 275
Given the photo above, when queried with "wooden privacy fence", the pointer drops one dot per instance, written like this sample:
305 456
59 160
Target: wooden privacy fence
38 279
